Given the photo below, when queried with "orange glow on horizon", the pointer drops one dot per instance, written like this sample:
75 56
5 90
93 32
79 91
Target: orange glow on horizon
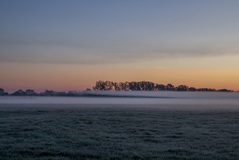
72 77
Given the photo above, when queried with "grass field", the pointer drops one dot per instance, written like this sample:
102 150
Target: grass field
116 132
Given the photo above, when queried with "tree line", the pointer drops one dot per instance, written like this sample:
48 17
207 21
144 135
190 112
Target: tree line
147 86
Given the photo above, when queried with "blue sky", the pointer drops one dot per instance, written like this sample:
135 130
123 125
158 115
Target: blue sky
70 44
86 32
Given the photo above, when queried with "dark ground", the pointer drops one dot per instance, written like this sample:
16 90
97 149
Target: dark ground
116 132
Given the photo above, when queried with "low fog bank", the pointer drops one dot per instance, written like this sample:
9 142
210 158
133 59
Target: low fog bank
134 98
162 94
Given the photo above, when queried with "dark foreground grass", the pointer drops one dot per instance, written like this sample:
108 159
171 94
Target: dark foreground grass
116 132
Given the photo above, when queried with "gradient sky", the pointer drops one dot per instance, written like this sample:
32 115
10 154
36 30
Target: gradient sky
70 44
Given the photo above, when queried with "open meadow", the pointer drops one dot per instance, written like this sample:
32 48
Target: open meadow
118 131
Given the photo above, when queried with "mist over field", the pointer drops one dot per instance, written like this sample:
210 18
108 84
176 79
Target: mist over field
121 125
214 99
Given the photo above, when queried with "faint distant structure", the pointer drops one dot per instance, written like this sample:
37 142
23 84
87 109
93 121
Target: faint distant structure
1 91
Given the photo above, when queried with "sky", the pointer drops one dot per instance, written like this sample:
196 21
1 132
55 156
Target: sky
70 44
